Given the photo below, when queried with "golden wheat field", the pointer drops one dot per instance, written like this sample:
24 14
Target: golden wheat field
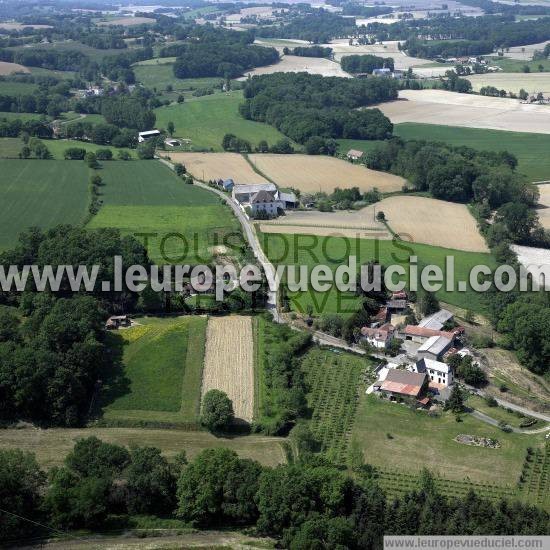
434 222
213 166
313 173
544 201
229 362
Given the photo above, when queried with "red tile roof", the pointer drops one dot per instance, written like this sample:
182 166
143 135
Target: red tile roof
415 330
403 382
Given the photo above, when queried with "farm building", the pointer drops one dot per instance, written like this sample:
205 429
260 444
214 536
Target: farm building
438 372
436 320
264 197
144 136
289 199
354 154
396 305
262 201
434 347
117 321
402 385
244 193
421 334
380 337
227 184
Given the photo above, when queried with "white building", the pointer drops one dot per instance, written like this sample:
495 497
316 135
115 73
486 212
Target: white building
438 372
144 136
437 320
380 337
244 193
263 201
434 347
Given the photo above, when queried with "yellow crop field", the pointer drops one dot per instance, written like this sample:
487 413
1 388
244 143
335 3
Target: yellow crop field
229 362
312 173
213 166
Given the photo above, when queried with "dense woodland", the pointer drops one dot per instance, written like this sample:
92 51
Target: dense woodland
304 106
365 63
304 505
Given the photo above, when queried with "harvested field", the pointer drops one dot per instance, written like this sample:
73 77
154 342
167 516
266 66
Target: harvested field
472 111
229 362
127 21
297 64
524 53
544 201
10 68
435 222
417 219
513 82
533 258
311 173
210 166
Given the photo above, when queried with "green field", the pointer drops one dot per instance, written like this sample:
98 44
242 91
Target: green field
332 251
40 193
23 116
159 75
509 65
95 54
500 414
205 120
147 197
395 437
531 150
160 376
14 88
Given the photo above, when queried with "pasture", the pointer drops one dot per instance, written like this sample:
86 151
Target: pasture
229 362
159 377
41 193
211 166
146 197
127 21
466 110
533 82
52 445
10 68
312 173
297 64
311 250
524 53
544 202
205 120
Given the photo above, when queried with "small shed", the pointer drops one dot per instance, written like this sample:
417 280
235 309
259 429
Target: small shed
354 154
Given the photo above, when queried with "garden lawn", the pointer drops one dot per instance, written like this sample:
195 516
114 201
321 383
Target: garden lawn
160 376
333 251
146 197
530 149
395 437
41 193
205 120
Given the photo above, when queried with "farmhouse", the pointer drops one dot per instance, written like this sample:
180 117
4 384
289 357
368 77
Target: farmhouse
421 334
434 347
354 154
244 193
438 372
264 197
144 136
402 385
262 201
380 337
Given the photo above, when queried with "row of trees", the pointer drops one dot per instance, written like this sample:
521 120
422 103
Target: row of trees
308 504
301 105
365 63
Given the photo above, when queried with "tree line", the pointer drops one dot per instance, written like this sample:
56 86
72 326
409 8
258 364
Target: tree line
309 51
365 63
304 106
307 504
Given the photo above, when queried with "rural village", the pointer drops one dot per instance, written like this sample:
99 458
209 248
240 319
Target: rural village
409 136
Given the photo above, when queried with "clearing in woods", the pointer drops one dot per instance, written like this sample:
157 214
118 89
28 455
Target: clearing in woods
215 166
472 111
159 377
41 193
313 173
298 64
229 362
10 68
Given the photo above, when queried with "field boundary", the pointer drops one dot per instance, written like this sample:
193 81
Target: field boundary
255 168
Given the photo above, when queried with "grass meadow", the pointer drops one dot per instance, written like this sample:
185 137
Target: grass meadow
147 197
205 120
333 251
530 149
40 193
160 376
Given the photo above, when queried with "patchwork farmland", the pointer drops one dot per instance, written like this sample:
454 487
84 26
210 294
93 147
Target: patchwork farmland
311 173
229 362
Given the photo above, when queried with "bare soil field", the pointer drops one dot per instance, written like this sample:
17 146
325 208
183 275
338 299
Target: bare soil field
10 68
434 222
311 173
210 166
127 21
229 362
513 82
417 219
341 48
52 445
524 53
544 201
470 111
297 64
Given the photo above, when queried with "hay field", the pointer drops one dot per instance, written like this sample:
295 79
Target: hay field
434 222
544 201
524 53
311 173
127 21
210 166
229 362
297 64
471 111
10 68
513 82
